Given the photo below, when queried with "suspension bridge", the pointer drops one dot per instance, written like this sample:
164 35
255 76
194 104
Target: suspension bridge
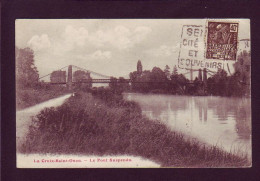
68 75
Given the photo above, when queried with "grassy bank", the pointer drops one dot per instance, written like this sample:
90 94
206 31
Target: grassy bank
102 123
27 97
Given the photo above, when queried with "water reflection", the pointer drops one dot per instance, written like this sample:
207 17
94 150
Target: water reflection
202 105
215 120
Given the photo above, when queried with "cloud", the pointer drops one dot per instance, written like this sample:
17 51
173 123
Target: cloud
120 37
124 38
97 55
99 38
101 55
71 39
122 31
38 43
140 33
164 51
75 36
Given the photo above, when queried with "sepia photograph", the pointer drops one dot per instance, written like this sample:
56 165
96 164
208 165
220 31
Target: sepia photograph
133 93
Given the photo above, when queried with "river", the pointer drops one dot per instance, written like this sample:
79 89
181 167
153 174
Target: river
221 121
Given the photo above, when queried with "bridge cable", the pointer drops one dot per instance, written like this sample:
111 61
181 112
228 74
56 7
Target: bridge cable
92 72
51 72
228 69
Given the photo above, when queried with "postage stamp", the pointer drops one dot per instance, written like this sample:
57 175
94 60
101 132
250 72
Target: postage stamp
222 41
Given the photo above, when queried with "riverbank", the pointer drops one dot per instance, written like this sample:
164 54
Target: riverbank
197 94
28 97
24 117
105 124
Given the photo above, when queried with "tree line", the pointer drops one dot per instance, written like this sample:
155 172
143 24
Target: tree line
167 82
155 80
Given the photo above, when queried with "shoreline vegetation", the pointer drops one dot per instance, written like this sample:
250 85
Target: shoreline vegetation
28 97
101 122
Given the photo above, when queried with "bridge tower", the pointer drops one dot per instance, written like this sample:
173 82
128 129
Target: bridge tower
191 75
191 72
200 75
69 82
204 79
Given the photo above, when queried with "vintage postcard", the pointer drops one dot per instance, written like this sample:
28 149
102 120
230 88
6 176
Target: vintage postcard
133 93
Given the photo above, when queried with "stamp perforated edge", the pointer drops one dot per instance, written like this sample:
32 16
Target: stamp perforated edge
206 36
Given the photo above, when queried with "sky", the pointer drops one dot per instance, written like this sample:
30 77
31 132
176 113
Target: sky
108 46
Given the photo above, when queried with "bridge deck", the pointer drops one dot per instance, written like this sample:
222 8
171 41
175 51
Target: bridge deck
126 81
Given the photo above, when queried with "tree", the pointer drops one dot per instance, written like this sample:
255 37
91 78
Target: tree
145 79
133 77
243 65
26 72
175 70
167 71
82 79
58 76
182 81
242 70
139 68
140 83
235 88
218 83
196 88
123 85
158 79
211 86
178 83
113 83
